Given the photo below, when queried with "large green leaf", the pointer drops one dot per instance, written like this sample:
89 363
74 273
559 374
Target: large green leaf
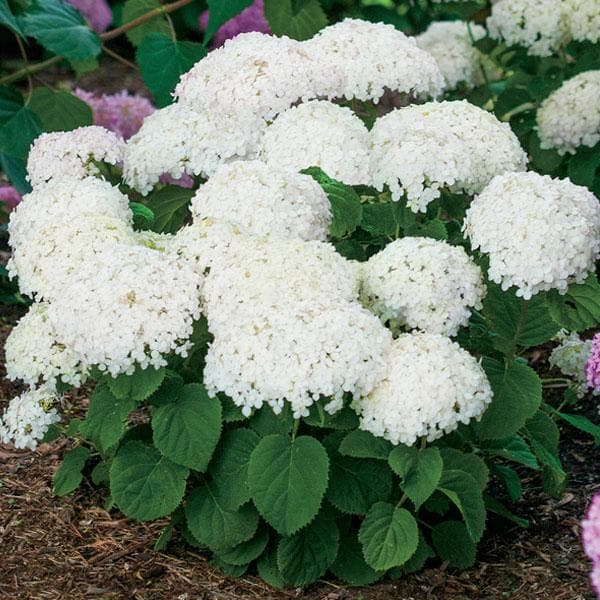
144 484
68 476
453 543
170 206
363 444
162 61
220 12
466 461
583 165
246 552
517 396
389 536
59 110
583 424
187 431
19 126
300 25
8 19
350 565
579 308
137 386
59 28
287 480
132 9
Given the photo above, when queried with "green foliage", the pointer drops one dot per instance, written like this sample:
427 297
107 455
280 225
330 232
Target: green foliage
579 308
132 9
69 475
350 565
58 110
454 544
8 19
219 12
170 205
19 125
299 24
362 444
137 386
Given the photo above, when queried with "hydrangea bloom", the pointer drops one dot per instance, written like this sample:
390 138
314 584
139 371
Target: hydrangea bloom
570 116
96 12
27 418
423 284
570 357
592 366
538 25
583 18
264 201
590 534
319 133
431 386
419 149
540 233
71 154
10 196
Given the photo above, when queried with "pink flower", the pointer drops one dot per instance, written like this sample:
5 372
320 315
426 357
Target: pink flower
96 12
250 19
590 535
10 196
592 366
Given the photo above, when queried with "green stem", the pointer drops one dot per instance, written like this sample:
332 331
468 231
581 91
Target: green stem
29 70
402 500
295 429
555 380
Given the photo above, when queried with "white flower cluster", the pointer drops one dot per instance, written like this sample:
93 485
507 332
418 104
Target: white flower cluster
420 149
450 43
27 418
540 233
570 116
72 153
584 19
570 357
423 284
431 386
319 134
262 200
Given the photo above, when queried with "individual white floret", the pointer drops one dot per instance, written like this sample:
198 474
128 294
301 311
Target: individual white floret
34 353
71 154
364 59
538 25
431 386
297 355
570 116
27 418
540 233
423 284
583 19
177 140
570 357
319 134
264 200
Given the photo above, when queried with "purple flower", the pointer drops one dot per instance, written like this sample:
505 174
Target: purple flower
250 19
96 12
10 196
592 366
590 535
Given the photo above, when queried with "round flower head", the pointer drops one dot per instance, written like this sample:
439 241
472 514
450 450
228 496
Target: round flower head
431 386
9 196
592 366
319 134
71 154
297 354
423 284
583 19
419 149
538 25
590 535
570 357
362 59
263 200
540 233
96 12
177 140
33 352
570 116
27 418
449 42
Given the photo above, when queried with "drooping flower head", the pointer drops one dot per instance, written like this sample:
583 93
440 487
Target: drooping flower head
571 357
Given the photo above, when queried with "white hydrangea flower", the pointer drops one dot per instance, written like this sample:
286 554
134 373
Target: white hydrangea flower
177 140
423 284
129 305
431 386
33 352
27 418
264 200
297 354
583 18
570 116
71 154
540 233
362 59
420 149
59 225
538 25
570 357
319 134
449 42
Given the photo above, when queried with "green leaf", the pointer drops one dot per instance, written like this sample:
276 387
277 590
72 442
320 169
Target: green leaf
544 161
453 543
583 424
511 102
220 12
363 444
269 571
8 19
382 219
137 386
389 536
59 28
579 308
511 481
168 390
187 431
583 165
141 210
59 110
100 473
420 471
14 169
350 565
265 422
246 552
287 480
145 485
19 126
229 469
514 448
132 9
299 26
214 525
417 561
170 206
544 430
304 557
462 489
495 506
517 396
343 420
162 61
68 476
466 461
